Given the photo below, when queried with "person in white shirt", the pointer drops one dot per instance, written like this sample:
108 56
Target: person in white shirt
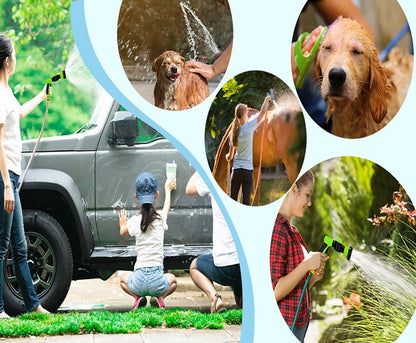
241 149
148 278
12 232
222 265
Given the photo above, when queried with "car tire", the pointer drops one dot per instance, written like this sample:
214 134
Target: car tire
50 262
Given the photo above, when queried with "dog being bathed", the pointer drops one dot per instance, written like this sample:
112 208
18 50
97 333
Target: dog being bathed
363 94
176 87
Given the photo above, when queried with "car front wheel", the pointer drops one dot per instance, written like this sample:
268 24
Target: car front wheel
50 261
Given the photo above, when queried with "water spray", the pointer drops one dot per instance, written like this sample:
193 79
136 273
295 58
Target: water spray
55 78
188 14
338 246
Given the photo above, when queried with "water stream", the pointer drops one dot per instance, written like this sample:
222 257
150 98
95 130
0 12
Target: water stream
78 74
189 15
384 273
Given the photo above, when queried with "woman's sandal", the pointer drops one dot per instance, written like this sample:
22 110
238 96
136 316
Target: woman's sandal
4 315
214 304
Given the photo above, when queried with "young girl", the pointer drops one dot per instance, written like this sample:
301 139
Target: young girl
290 262
11 218
148 227
242 149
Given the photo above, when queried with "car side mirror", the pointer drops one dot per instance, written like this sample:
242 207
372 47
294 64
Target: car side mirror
124 128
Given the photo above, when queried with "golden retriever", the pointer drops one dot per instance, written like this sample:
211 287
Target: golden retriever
176 87
363 94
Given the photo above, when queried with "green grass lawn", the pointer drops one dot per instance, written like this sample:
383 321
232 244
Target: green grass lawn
38 324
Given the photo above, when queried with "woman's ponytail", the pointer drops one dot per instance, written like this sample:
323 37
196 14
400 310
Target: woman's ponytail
240 109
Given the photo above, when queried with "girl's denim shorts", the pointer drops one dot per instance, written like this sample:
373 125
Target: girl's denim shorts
148 281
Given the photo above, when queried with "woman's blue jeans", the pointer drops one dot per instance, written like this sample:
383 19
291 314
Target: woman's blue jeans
300 333
12 233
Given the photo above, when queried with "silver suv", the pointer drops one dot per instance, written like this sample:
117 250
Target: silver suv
72 194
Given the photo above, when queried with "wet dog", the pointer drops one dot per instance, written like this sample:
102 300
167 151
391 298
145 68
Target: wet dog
176 87
363 94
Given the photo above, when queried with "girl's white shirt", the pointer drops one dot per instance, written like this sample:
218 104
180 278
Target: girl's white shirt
149 244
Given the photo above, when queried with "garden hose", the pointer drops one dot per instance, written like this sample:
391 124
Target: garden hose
256 188
338 247
48 82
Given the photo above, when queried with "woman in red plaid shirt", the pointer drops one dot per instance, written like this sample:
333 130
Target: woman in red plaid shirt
290 261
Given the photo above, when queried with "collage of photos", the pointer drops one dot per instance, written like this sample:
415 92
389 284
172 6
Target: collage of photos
112 227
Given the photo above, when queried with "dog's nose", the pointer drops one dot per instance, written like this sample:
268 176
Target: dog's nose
174 69
337 76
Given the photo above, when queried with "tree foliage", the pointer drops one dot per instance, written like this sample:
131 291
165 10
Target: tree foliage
42 36
341 201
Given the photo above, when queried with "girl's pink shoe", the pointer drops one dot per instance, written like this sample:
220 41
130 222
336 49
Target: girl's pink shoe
157 302
139 302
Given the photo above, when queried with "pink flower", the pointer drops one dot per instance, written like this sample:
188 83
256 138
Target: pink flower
412 213
386 209
374 221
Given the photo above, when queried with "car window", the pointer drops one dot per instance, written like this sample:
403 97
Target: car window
146 133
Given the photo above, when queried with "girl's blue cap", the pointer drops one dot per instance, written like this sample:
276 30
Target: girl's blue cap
146 188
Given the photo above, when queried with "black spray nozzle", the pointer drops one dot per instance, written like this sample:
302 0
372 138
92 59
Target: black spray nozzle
337 246
57 77
61 75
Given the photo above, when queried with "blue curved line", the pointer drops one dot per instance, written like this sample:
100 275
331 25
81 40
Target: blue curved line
83 42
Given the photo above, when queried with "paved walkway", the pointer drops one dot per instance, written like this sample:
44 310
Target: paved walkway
231 334
89 295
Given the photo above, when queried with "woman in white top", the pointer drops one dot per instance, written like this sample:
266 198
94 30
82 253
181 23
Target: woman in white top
242 149
11 218
148 228
222 265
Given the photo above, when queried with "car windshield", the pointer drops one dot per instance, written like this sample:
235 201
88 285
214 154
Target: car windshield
99 114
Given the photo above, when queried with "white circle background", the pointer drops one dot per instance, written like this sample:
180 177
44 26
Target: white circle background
262 36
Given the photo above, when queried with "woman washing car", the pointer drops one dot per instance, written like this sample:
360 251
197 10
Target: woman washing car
11 218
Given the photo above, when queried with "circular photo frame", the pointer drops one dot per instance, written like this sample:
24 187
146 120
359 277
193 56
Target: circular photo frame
347 228
362 67
174 53
255 138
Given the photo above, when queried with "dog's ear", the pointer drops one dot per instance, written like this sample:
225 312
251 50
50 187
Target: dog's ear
378 88
318 70
156 63
182 60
